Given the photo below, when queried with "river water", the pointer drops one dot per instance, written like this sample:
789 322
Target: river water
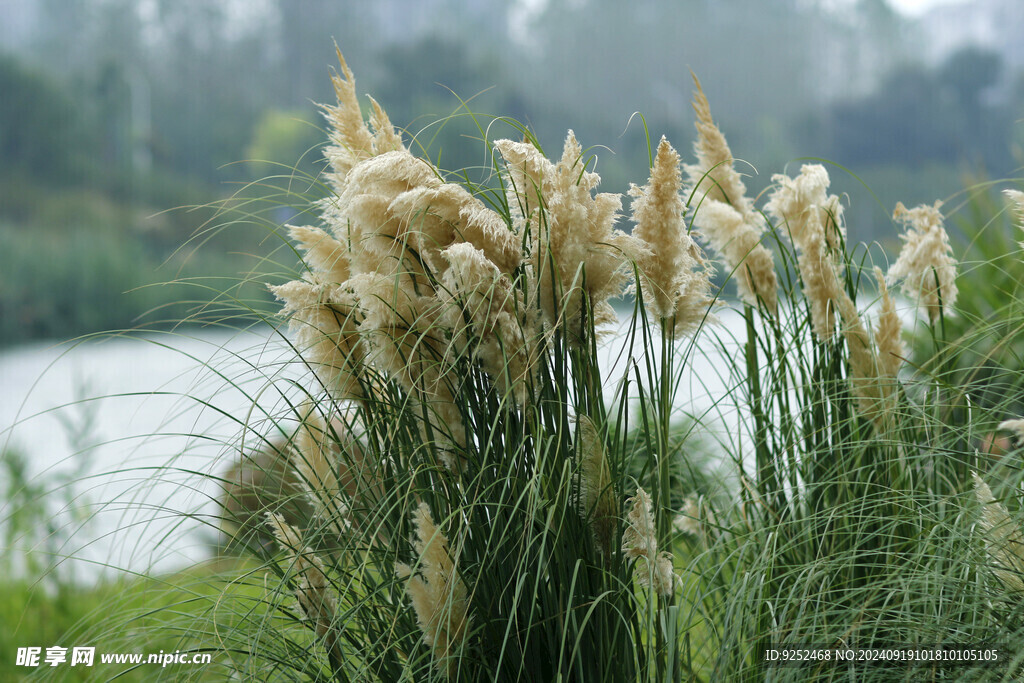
122 433
119 432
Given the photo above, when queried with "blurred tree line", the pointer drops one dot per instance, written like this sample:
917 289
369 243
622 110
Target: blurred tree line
920 114
115 110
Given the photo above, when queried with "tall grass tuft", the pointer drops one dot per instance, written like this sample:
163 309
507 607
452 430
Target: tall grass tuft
468 493
479 502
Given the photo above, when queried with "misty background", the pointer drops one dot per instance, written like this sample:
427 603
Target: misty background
114 114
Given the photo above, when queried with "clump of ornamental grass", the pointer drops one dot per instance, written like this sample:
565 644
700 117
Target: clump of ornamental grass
855 520
468 474
475 497
987 351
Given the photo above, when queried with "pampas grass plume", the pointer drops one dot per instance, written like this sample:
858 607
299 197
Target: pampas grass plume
438 593
314 591
640 542
813 220
595 494
1003 537
672 269
725 215
925 264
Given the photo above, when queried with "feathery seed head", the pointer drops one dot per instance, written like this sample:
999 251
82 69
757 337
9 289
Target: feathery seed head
316 458
725 215
1015 426
713 176
439 596
688 521
485 310
351 139
405 339
324 255
813 218
925 264
314 591
595 493
888 333
1016 197
1003 538
803 203
863 362
363 217
640 542
576 254
438 216
325 319
672 269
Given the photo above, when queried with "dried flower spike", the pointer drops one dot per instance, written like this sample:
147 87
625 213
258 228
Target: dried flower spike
926 264
314 591
325 319
438 593
1003 538
888 333
640 542
714 177
595 493
577 257
316 456
813 219
688 519
485 310
1015 426
1017 198
725 215
672 270
351 139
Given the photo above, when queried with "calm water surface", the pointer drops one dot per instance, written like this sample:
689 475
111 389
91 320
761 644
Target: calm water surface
126 428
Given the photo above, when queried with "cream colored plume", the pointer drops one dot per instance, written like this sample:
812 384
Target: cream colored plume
398 216
438 593
673 272
696 518
926 264
326 256
439 216
1003 538
813 219
369 300
724 214
864 375
640 542
325 318
363 218
688 521
1015 426
316 455
405 340
314 591
1016 197
594 491
485 310
575 251
878 390
527 174
874 360
888 333
317 459
713 176
402 332
736 238
810 213
351 139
